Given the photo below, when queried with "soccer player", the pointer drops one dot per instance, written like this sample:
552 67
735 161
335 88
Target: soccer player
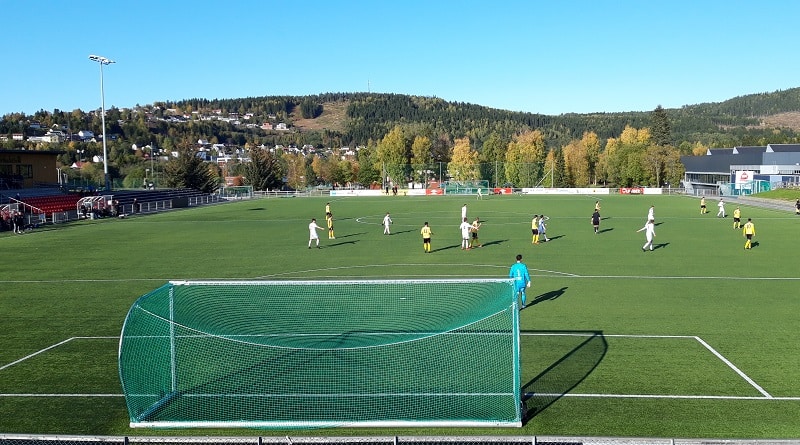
721 207
312 233
651 214
596 221
703 209
387 221
597 206
327 208
797 207
329 221
649 234
464 211
749 231
480 193
476 225
522 279
535 229
737 218
465 229
426 237
542 229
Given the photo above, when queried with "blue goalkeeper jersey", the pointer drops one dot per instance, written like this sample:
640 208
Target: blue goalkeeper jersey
519 272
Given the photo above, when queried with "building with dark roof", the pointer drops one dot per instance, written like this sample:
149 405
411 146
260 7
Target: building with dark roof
733 170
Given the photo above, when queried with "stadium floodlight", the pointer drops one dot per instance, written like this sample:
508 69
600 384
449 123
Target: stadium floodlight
103 61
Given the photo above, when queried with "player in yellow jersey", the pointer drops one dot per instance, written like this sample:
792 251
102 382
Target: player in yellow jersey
329 220
426 237
473 242
749 231
703 209
737 218
535 229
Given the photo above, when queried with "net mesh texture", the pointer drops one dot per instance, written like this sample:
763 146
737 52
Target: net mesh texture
323 354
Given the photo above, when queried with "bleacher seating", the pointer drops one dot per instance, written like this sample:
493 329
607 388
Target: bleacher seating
126 197
53 203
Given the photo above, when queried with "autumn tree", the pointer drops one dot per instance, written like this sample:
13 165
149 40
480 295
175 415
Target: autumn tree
624 157
524 158
323 168
295 170
390 156
421 157
464 162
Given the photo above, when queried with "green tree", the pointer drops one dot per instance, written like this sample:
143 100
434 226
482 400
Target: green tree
264 171
367 173
188 170
660 130
493 155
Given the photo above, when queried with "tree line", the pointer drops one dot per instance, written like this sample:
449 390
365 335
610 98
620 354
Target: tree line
414 139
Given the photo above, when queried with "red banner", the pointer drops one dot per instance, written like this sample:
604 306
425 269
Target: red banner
434 192
631 191
503 191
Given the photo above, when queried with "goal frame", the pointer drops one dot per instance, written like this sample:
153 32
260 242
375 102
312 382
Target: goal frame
139 422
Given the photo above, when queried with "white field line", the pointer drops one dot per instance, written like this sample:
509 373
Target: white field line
35 354
661 396
767 396
49 348
735 369
693 337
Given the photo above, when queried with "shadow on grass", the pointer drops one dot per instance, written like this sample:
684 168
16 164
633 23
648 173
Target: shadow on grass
326 246
565 373
660 246
552 295
495 242
454 246
403 231
605 230
555 238
351 234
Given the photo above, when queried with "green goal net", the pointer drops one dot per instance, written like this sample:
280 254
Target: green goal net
307 354
466 187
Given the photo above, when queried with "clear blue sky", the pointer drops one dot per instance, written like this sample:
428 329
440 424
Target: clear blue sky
548 57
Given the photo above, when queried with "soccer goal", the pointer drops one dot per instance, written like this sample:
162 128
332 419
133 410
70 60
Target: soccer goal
306 354
466 187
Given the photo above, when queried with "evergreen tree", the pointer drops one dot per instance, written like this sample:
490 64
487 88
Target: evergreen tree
660 130
190 171
264 170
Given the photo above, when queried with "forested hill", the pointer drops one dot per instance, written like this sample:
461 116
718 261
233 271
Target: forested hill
356 118
352 119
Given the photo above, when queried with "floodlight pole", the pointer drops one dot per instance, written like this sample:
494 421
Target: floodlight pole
103 61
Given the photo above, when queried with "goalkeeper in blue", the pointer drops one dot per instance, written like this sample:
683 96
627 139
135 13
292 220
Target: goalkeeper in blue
522 279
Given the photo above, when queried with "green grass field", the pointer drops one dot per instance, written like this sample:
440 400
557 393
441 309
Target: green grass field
698 338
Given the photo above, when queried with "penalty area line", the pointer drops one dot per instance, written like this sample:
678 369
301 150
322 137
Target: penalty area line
49 348
734 368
